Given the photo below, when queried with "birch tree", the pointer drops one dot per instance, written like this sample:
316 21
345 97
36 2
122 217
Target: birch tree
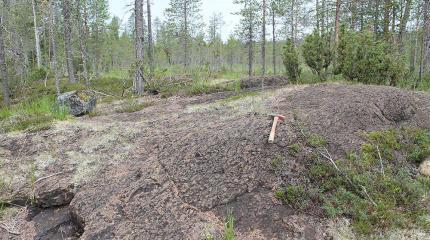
185 14
36 35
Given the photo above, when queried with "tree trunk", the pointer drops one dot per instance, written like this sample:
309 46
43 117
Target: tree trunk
250 50
83 19
263 44
403 23
138 13
185 34
68 41
36 35
53 47
3 66
387 6
376 17
425 41
337 22
274 39
317 10
292 22
150 39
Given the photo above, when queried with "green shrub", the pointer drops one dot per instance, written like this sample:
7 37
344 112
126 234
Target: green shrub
362 58
374 187
318 53
291 60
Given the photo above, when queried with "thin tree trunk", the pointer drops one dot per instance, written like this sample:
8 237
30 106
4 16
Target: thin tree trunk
185 34
415 48
376 17
317 10
83 39
403 23
3 66
274 39
263 44
68 41
337 22
292 22
138 13
53 47
150 40
387 5
250 50
36 35
425 41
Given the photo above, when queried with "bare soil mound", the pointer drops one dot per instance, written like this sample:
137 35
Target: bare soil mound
173 170
258 82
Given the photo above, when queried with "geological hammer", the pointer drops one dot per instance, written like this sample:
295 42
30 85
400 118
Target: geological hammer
276 118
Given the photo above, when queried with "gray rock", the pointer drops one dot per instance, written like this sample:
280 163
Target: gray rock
78 102
54 192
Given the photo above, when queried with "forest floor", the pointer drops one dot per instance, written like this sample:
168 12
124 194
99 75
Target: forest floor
179 167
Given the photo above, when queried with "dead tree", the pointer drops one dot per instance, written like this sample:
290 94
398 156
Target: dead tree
3 66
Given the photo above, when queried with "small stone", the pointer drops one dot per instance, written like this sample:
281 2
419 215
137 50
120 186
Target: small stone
425 168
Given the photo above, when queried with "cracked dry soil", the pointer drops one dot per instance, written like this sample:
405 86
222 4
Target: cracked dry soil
173 170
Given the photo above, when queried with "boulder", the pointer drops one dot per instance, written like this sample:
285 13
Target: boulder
78 102
54 192
425 168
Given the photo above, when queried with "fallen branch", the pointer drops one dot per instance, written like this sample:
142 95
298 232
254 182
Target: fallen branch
104 94
49 176
380 161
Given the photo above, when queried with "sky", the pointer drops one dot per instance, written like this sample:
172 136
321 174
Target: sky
122 8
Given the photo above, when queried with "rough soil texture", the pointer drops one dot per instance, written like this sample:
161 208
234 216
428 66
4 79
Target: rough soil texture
173 170
258 82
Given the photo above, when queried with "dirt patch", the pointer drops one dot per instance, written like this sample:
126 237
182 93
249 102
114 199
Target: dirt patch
170 172
258 82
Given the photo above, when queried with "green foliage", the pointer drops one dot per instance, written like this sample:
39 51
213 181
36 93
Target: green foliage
291 60
316 140
294 195
229 227
362 58
38 74
374 187
277 162
318 53
294 149
34 115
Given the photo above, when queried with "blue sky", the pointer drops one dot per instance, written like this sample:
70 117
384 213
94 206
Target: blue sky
121 9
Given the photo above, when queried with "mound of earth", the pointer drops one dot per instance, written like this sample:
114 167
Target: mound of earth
173 170
258 82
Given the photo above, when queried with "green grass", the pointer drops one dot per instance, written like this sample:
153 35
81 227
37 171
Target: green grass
34 115
229 227
375 187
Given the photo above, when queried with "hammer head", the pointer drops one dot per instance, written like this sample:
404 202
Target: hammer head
280 117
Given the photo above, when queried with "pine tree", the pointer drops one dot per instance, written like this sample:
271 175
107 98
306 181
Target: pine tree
249 27
185 14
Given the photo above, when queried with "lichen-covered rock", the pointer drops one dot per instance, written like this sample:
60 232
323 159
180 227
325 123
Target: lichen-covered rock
78 102
425 168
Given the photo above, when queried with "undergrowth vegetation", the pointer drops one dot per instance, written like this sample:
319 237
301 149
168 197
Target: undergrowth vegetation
377 186
31 115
